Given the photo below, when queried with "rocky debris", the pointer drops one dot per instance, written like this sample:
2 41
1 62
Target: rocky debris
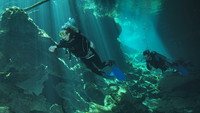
23 48
4 109
179 94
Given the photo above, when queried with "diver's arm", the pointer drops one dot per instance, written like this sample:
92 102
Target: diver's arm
60 44
92 45
70 54
52 48
149 67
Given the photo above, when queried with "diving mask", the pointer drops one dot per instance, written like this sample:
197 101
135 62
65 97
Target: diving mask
62 33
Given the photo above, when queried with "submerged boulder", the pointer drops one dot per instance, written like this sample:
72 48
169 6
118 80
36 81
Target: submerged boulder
24 62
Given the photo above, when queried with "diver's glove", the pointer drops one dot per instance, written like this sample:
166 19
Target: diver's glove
92 45
52 48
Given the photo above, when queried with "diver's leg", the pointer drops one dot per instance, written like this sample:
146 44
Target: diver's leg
164 65
91 66
96 60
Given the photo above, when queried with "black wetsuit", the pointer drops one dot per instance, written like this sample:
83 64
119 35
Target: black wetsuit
79 45
157 61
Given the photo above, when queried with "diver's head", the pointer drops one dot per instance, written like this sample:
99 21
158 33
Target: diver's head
146 54
64 35
68 31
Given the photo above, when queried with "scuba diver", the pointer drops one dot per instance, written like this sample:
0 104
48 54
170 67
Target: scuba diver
156 60
77 44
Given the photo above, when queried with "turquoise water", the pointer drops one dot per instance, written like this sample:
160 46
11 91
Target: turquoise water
34 80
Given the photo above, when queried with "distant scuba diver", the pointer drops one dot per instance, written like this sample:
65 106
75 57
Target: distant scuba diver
158 61
81 47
